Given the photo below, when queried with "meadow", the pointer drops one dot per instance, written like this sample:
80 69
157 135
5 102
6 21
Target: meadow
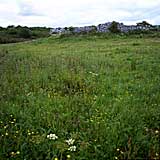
80 97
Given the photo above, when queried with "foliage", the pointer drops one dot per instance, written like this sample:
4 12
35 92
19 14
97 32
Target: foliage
114 27
80 97
71 29
94 30
24 33
144 23
66 28
13 34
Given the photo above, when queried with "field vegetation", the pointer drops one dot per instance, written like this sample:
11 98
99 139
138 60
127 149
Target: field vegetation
81 97
13 34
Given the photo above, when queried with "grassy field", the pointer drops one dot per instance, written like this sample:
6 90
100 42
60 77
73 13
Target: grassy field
84 98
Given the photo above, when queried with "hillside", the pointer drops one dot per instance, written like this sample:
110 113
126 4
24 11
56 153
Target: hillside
99 92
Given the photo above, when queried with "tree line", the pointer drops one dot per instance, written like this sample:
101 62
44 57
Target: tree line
19 33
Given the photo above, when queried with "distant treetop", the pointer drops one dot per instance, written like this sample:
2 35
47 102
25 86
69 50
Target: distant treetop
144 23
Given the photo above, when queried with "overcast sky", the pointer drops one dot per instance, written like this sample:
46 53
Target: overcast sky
61 13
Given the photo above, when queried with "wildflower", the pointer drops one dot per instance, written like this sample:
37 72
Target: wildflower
118 149
6 134
29 133
72 148
157 154
94 74
156 131
13 154
52 136
70 141
18 152
116 157
68 156
56 158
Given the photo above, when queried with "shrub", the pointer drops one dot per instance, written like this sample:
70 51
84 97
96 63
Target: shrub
71 29
144 23
10 26
12 31
114 27
66 28
94 29
24 33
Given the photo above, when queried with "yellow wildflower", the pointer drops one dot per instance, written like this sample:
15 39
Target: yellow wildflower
68 156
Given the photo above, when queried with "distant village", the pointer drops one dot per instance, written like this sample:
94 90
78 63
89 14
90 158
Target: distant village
103 28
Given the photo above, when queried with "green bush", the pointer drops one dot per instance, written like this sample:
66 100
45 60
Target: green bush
71 29
114 27
13 34
12 31
24 33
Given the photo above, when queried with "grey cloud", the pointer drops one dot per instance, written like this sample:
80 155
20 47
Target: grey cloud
27 10
142 14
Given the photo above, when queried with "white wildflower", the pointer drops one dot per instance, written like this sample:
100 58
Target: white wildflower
156 131
94 74
72 148
70 141
52 136
118 149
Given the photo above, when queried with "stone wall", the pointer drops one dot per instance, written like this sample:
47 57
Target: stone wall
100 28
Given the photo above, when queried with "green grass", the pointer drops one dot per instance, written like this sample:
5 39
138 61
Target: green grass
103 92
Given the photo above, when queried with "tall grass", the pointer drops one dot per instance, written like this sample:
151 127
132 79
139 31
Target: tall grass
100 93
